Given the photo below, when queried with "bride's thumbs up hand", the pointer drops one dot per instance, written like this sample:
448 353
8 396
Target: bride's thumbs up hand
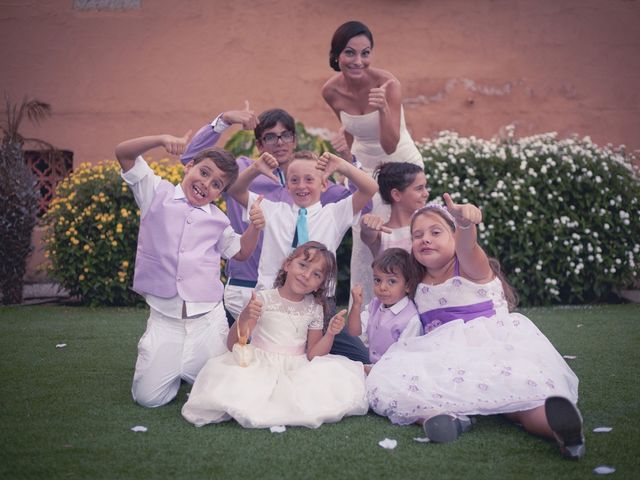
378 95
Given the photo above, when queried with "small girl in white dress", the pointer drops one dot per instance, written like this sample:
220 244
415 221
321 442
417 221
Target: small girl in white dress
285 375
475 356
403 186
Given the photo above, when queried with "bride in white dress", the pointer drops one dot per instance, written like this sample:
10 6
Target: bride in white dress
367 101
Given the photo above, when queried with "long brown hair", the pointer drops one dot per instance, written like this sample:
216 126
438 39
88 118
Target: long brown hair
308 251
510 294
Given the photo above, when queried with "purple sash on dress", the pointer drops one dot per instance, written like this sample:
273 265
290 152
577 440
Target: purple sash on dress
434 318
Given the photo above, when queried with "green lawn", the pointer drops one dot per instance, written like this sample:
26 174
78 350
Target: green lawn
67 412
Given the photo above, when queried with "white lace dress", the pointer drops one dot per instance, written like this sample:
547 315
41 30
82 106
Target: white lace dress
280 386
365 130
476 358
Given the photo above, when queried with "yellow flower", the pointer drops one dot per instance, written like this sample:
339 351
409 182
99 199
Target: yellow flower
86 247
114 243
81 277
125 264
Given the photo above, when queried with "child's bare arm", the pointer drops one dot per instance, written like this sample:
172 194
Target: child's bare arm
318 344
367 186
127 151
473 259
264 165
249 238
354 325
371 229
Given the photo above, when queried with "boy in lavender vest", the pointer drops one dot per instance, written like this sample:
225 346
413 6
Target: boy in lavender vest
391 315
182 237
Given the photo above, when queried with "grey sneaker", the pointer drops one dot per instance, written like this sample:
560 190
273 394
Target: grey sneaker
566 422
446 428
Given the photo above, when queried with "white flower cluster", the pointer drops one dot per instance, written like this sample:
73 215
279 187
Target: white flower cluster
560 214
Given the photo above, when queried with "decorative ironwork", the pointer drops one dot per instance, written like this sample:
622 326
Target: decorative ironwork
49 167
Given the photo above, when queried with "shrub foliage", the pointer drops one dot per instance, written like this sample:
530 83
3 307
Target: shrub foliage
562 216
93 233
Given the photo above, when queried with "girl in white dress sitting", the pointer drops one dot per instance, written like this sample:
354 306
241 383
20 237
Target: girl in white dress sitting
285 375
475 356
403 186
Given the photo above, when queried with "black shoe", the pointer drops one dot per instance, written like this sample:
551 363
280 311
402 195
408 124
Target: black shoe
566 422
446 428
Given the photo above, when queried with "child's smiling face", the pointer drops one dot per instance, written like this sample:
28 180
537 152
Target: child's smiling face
203 182
304 183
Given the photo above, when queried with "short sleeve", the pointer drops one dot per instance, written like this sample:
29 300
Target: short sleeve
229 243
317 314
142 182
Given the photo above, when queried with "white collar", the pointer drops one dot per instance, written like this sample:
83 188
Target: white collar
310 209
397 307
178 194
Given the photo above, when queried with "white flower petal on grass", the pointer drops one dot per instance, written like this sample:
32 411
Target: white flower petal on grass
604 470
139 428
569 357
61 345
277 429
422 439
602 429
388 443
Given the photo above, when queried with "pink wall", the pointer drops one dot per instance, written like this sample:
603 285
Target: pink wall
569 65
468 65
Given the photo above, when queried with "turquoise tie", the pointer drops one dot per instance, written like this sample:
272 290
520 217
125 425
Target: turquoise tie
302 233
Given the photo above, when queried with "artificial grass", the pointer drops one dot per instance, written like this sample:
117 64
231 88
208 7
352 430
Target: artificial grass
67 412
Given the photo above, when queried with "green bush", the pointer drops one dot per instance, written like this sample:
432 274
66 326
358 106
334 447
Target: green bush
91 242
562 216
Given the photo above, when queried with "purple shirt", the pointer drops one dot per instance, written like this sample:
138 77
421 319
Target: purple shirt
207 137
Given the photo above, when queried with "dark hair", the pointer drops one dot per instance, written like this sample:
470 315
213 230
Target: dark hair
398 175
398 261
269 118
341 37
307 251
223 160
510 294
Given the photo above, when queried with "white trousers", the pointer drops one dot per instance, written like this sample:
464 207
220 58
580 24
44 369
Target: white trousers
174 349
236 298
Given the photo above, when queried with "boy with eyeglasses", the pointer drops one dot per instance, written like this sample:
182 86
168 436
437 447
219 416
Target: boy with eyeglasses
275 133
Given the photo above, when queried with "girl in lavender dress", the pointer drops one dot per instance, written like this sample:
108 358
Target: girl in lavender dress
403 186
476 358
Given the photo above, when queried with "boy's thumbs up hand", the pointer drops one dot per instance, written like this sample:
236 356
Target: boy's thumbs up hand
256 215
247 117
176 145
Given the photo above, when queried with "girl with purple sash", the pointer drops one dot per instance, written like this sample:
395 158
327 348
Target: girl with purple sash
476 357
391 315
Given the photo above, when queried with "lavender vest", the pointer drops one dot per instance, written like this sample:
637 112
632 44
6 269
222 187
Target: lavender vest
384 327
178 249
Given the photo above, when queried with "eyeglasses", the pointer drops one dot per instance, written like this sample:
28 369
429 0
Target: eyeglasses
272 138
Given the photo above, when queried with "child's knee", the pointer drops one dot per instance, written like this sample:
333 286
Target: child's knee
152 397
